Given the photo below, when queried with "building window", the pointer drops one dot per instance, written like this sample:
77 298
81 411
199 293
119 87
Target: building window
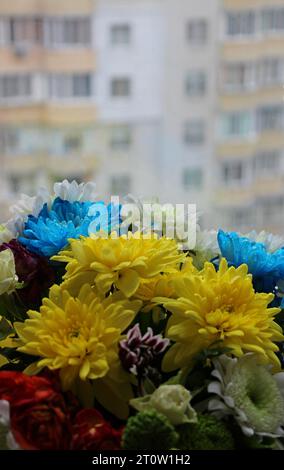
197 32
267 162
270 71
15 86
72 144
192 178
194 132
270 209
120 185
270 118
273 19
15 183
120 34
240 23
120 87
9 140
3 35
232 172
196 83
62 86
120 138
68 31
26 30
238 124
240 218
238 76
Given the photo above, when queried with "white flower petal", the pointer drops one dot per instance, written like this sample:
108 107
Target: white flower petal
249 432
11 442
280 381
215 404
215 387
75 192
4 413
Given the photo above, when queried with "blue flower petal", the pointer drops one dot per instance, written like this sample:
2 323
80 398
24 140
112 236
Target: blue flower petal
48 233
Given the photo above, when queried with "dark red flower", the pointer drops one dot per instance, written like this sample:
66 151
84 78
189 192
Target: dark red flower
92 432
40 418
33 270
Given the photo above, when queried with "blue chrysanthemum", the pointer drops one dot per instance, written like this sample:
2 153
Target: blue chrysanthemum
267 268
48 233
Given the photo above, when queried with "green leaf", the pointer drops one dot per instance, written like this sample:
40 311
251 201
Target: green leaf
211 353
148 386
11 308
5 329
3 437
178 379
16 358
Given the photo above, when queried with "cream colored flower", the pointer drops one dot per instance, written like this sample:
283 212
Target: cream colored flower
5 234
8 276
173 401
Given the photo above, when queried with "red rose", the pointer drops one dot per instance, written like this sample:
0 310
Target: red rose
92 432
40 419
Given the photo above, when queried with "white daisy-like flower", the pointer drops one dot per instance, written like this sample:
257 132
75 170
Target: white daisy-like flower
75 192
249 392
206 247
8 441
271 242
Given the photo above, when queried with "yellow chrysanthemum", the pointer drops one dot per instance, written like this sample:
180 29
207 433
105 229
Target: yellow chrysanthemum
80 337
162 285
122 261
220 306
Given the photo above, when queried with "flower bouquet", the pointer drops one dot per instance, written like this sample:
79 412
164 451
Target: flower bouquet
112 337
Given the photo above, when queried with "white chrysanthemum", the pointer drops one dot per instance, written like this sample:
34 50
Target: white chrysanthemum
270 241
132 211
164 219
7 441
8 276
249 392
206 247
23 208
75 192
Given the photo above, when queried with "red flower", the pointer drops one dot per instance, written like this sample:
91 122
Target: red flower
40 419
92 432
33 270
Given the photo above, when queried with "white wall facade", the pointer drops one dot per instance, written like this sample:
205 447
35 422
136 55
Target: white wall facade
184 57
142 62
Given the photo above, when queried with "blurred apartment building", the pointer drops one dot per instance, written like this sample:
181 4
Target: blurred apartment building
250 149
129 41
47 110
80 95
189 111
180 99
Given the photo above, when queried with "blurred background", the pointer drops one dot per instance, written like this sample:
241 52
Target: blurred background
181 99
